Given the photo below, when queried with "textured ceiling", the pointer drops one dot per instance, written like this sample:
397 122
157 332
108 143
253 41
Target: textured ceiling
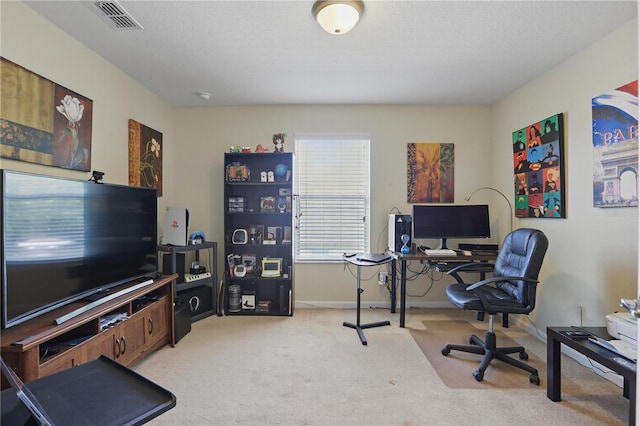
401 52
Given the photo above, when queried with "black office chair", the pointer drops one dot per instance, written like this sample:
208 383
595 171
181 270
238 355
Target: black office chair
515 277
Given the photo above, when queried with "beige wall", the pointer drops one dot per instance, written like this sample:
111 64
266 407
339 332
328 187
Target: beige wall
593 256
206 133
34 43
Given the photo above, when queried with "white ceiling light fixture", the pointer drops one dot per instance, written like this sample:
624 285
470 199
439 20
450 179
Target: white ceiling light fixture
337 17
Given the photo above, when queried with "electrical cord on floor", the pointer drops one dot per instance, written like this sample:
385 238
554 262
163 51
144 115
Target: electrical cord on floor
347 266
536 328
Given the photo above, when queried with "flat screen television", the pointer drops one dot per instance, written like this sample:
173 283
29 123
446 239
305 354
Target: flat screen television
450 221
65 239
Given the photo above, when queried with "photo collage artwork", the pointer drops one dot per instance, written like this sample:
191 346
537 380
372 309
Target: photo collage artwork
539 188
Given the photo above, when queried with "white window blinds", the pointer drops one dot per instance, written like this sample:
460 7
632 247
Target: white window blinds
332 187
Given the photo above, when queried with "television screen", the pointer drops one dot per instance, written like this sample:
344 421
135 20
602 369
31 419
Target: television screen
65 239
450 221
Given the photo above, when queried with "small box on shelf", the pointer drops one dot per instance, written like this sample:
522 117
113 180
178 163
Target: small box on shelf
249 301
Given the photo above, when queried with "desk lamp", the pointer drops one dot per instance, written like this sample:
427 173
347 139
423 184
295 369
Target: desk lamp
503 196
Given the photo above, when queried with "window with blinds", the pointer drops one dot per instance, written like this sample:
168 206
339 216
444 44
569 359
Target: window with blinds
331 183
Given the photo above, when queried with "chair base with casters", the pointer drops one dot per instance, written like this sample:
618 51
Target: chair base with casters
511 290
489 349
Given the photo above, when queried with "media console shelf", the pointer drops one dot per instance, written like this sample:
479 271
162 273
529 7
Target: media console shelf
126 329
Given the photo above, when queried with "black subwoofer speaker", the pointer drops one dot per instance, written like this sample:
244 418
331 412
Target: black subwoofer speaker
180 267
182 324
199 299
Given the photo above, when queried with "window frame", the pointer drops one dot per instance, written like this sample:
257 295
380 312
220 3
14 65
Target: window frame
358 195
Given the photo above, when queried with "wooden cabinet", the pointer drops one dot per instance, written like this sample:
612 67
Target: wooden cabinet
40 347
156 324
259 234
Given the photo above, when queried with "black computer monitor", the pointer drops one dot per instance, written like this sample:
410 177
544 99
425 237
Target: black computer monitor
450 221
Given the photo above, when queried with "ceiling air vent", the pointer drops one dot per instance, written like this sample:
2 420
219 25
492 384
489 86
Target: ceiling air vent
114 15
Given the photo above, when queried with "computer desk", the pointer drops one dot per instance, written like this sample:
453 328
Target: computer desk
433 261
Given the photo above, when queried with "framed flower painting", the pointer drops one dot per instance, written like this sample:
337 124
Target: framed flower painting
145 156
42 122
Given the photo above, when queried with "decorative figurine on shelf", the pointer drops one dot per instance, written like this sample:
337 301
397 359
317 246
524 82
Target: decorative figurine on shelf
405 248
278 141
280 172
261 149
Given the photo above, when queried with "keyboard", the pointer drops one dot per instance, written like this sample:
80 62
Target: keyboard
439 252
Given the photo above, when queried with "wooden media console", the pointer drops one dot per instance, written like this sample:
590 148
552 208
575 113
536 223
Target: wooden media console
126 329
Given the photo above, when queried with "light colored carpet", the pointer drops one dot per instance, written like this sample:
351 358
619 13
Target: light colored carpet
456 369
310 370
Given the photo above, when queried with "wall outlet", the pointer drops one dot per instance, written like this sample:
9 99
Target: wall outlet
383 277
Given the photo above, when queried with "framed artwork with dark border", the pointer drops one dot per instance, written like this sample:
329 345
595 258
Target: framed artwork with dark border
43 122
145 156
430 172
538 169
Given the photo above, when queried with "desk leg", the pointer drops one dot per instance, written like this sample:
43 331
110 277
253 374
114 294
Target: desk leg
357 326
553 368
403 290
393 286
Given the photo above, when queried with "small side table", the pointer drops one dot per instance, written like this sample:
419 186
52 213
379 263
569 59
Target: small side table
557 336
358 260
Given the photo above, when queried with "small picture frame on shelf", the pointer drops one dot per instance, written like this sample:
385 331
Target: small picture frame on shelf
249 301
237 172
249 262
267 204
230 263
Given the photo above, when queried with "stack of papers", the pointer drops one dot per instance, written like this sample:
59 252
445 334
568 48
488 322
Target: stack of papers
626 349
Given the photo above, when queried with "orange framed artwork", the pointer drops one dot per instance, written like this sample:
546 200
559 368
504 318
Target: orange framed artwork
430 172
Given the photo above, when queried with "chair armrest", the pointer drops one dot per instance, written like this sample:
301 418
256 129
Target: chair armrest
478 266
482 297
470 267
498 279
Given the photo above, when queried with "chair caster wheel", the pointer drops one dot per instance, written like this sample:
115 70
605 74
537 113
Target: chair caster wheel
471 341
523 356
534 379
478 375
445 351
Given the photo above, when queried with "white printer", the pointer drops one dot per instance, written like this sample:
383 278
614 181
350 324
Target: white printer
623 326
